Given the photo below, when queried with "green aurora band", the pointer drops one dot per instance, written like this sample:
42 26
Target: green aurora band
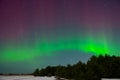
96 46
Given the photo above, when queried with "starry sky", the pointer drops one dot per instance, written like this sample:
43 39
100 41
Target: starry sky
38 33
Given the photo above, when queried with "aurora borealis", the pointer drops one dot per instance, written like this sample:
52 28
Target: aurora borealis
34 32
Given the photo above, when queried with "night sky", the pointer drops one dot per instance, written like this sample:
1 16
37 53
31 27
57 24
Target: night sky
38 33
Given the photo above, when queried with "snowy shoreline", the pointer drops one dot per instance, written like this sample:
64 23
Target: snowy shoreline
26 78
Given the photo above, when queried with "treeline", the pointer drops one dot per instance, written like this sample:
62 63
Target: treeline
10 74
95 69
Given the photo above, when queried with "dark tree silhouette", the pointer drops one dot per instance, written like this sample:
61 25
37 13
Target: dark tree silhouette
95 69
36 72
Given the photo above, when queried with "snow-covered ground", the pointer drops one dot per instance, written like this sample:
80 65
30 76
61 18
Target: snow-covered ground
25 78
110 79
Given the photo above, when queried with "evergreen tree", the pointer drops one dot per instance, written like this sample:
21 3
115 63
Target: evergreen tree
95 69
36 72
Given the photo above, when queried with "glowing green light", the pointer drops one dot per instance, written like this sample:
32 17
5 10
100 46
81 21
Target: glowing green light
50 47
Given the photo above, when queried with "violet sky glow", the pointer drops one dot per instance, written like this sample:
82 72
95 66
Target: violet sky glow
52 32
